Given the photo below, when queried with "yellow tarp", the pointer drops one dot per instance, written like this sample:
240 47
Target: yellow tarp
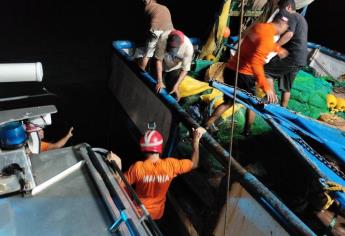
218 95
216 38
190 86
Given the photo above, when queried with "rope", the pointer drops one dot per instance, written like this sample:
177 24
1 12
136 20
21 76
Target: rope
328 203
331 187
233 118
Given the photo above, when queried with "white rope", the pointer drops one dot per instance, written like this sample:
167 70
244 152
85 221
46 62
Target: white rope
233 120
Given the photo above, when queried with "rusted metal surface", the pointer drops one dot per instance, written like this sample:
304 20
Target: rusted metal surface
184 219
239 222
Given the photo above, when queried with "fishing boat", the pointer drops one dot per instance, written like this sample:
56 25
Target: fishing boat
194 194
72 190
286 170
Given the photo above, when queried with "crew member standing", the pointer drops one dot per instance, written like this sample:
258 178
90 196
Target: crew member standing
152 177
159 21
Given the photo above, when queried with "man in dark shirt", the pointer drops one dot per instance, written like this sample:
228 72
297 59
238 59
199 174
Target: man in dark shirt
295 41
159 21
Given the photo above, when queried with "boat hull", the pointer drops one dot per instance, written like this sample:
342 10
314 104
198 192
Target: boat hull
134 89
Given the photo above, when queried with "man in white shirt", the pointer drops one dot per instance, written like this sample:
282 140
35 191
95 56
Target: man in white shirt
174 56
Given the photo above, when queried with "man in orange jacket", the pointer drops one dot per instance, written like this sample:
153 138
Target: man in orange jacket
152 177
257 43
46 146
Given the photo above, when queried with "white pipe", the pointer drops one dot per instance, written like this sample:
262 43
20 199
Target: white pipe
21 72
57 178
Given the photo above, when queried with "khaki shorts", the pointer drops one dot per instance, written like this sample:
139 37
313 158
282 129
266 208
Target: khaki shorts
150 46
152 41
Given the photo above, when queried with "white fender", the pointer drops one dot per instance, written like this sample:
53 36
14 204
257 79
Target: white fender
21 72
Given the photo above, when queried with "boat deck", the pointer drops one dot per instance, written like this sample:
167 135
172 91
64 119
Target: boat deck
44 212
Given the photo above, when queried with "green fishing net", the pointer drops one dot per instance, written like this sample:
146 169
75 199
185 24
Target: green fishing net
308 97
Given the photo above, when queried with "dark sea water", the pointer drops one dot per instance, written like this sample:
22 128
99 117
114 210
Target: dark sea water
73 39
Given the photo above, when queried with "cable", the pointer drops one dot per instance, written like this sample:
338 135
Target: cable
233 117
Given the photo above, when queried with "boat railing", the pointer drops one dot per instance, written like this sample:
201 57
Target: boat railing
327 51
121 193
119 185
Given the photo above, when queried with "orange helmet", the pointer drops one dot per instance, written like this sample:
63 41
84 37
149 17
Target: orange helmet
152 141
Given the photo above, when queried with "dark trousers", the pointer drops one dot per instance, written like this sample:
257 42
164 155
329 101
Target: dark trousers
170 78
282 70
245 82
